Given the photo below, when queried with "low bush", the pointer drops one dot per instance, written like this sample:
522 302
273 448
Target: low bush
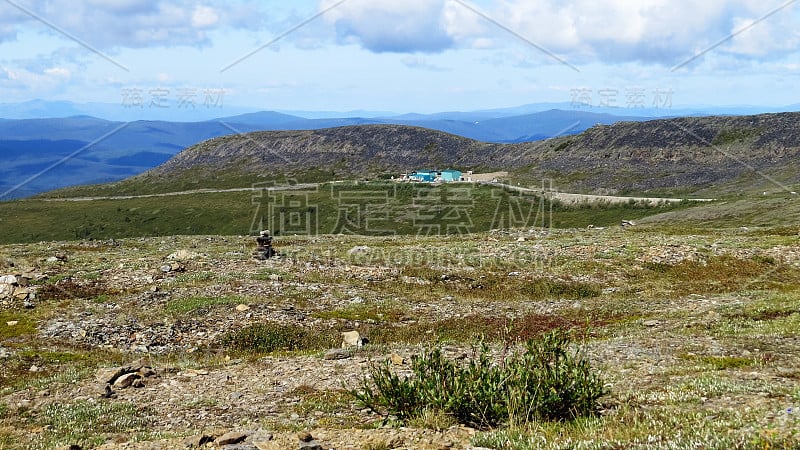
68 288
547 381
271 337
85 424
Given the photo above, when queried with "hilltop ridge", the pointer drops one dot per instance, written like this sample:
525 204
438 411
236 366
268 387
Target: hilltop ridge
683 154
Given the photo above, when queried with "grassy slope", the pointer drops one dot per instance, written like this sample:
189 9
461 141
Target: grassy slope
371 209
758 211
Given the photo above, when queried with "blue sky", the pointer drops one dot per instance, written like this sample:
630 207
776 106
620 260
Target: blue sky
401 55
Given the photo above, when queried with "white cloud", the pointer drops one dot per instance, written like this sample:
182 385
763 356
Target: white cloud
390 25
204 17
416 62
58 72
659 31
610 31
113 24
758 39
19 82
123 6
461 23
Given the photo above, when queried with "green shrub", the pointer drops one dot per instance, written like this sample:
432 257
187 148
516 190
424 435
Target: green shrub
25 325
562 146
491 329
201 304
271 337
85 423
731 135
545 382
728 362
545 288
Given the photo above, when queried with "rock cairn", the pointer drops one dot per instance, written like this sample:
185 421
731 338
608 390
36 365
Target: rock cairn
264 249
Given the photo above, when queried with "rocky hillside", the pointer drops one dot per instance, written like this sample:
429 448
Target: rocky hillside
683 153
353 150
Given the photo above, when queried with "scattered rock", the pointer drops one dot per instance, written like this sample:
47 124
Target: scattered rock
108 392
124 377
6 290
358 250
197 441
260 436
307 441
352 338
651 323
126 380
183 255
627 223
173 268
337 353
34 368
242 308
8 279
521 239
22 293
305 436
11 323
108 375
397 360
147 372
232 437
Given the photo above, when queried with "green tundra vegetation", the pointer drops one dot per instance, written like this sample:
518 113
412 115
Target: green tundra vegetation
367 208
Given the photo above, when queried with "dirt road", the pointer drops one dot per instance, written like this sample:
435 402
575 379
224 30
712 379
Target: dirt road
563 197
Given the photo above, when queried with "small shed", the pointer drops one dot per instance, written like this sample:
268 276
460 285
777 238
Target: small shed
450 175
428 176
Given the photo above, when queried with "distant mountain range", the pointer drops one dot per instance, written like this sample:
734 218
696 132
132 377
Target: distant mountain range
200 112
71 146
